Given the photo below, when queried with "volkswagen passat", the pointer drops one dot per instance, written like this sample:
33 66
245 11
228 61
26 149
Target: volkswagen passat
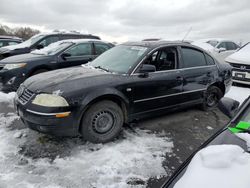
127 82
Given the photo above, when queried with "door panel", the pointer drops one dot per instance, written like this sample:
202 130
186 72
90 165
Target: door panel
158 90
196 81
197 74
79 54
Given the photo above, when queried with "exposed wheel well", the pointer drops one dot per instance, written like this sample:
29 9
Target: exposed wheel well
220 85
113 98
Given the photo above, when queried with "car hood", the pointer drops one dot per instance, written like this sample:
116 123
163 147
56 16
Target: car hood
242 56
66 80
23 58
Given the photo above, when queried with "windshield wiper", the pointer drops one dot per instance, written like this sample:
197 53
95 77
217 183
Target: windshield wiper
99 67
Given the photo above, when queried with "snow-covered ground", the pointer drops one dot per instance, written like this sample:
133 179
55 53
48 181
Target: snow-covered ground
135 157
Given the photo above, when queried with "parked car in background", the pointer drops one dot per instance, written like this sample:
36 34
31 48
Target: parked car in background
40 41
219 159
62 54
9 40
220 48
240 61
129 81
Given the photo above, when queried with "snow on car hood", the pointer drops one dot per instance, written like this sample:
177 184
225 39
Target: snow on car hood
242 56
218 166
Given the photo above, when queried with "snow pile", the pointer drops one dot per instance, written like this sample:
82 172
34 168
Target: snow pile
242 56
218 166
238 93
137 156
7 98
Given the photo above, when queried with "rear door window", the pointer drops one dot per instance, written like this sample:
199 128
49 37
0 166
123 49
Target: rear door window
231 46
193 58
80 49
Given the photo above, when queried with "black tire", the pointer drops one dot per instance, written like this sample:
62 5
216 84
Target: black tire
212 98
102 122
38 71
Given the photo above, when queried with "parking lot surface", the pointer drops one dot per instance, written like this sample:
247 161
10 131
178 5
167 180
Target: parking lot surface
145 155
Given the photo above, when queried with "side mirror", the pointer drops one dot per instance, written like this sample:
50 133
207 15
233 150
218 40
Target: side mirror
222 50
39 46
65 55
228 106
145 69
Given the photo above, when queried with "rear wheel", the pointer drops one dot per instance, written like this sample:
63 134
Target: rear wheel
212 97
102 122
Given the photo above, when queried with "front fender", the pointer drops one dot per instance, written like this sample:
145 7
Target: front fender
99 94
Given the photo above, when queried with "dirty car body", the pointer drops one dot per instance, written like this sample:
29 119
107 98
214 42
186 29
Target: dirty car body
140 78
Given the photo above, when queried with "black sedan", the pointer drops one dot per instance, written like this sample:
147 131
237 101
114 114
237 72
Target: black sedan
127 82
15 69
224 156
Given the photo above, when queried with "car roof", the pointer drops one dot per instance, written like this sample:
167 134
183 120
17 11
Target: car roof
67 33
82 40
159 43
9 37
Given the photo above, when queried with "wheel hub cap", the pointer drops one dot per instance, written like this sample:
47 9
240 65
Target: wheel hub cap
103 122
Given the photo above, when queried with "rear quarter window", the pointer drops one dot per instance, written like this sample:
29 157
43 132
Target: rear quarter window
210 60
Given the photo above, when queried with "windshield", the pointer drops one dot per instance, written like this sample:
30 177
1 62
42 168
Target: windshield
53 48
119 59
213 42
32 40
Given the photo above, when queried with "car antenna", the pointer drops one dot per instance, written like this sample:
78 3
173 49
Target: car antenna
185 36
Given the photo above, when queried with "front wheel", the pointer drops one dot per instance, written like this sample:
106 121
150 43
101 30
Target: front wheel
102 122
212 97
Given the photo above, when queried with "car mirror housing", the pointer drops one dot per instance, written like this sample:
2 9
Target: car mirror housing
222 50
228 106
65 55
145 68
39 46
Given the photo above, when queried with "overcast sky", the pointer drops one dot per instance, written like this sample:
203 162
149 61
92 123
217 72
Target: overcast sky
122 20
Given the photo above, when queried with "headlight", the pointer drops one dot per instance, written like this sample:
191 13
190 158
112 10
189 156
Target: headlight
50 100
14 66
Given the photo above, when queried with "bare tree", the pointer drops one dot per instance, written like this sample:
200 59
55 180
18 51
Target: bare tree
22 32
